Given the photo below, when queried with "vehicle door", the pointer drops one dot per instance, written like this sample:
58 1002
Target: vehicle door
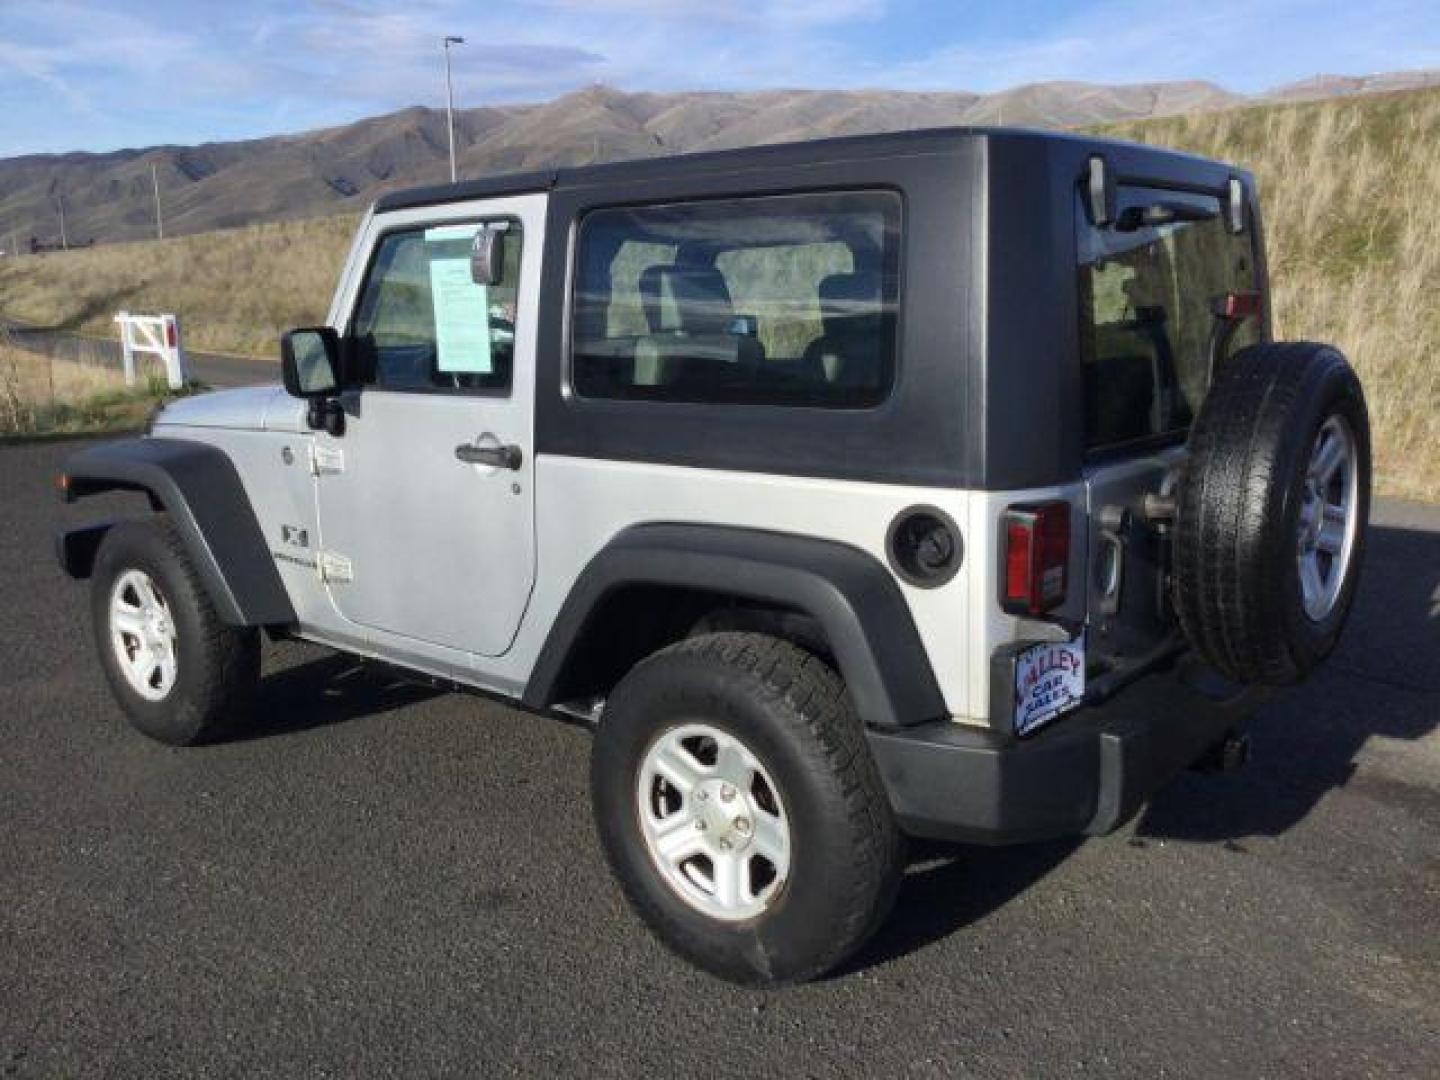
426 500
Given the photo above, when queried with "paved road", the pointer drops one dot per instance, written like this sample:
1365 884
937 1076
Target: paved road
385 881
212 369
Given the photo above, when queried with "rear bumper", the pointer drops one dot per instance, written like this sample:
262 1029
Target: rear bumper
1088 772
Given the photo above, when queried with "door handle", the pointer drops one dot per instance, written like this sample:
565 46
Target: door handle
499 457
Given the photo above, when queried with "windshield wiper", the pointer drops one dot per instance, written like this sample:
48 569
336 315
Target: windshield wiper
1134 218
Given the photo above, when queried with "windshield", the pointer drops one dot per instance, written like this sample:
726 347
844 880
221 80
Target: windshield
1145 289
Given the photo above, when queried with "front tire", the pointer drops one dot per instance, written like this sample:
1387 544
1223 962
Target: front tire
181 674
741 811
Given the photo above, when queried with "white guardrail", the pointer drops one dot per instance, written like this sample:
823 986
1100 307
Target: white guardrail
152 335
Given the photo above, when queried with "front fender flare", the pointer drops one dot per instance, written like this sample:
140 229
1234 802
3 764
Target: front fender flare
848 592
197 485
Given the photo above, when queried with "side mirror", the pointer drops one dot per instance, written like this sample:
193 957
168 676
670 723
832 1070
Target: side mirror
487 255
310 362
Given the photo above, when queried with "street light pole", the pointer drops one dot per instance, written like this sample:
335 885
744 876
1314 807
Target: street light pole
450 101
159 221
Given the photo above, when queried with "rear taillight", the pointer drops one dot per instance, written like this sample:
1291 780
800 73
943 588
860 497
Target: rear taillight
1037 554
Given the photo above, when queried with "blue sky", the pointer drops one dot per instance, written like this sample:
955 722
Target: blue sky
101 74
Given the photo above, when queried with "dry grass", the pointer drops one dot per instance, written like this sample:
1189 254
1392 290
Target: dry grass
42 396
1349 190
235 290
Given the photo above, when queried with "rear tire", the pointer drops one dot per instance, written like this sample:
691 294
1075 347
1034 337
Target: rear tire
181 674
1267 549
826 852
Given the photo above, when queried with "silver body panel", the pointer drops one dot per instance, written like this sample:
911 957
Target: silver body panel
259 408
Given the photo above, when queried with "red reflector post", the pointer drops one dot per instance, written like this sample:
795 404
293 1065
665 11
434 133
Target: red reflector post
1037 557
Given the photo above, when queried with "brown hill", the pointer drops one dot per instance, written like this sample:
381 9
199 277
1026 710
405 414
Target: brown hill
1328 86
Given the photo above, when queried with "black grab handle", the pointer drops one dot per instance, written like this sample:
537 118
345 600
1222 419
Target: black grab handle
500 457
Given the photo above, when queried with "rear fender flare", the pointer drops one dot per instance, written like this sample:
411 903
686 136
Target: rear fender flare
847 591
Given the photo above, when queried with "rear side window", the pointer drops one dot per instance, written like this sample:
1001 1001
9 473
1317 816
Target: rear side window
1145 318
777 300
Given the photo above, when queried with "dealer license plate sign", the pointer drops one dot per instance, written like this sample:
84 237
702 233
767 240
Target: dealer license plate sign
1049 681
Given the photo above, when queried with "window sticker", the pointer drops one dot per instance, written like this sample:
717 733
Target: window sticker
462 308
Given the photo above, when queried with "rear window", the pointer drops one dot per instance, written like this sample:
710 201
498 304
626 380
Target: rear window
776 300
1145 319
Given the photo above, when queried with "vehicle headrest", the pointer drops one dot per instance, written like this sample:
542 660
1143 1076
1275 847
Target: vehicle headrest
701 299
845 299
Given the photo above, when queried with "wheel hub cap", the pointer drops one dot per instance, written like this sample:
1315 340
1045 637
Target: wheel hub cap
723 815
142 635
1329 518
713 821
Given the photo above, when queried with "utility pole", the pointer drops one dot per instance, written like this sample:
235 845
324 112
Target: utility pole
60 204
159 221
450 101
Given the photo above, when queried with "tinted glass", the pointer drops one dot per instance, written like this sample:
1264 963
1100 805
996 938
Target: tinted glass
783 300
1145 320
423 323
312 363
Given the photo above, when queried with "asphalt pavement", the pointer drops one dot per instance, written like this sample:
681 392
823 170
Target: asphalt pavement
381 880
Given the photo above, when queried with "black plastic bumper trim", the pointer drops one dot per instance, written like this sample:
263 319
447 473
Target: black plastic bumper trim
1088 773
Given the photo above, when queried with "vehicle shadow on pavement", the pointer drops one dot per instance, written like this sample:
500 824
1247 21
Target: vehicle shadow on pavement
330 689
949 886
1383 680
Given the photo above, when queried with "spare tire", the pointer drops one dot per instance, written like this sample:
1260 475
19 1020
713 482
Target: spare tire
1271 512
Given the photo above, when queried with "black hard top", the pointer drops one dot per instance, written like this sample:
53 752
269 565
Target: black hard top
990 385
811 151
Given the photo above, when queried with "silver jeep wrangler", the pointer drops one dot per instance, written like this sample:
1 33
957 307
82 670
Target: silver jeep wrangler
945 484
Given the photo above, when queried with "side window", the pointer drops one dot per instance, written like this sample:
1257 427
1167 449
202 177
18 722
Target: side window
777 300
423 324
